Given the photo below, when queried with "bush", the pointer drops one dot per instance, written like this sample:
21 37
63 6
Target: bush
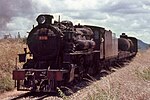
6 83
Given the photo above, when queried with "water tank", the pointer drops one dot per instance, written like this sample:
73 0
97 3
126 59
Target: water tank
124 44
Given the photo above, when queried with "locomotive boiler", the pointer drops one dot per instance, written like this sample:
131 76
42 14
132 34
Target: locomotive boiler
62 53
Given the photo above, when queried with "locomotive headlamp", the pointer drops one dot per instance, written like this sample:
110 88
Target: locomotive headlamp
41 19
44 19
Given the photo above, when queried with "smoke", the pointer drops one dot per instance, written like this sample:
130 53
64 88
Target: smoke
10 9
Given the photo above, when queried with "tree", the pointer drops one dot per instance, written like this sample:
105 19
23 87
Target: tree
19 35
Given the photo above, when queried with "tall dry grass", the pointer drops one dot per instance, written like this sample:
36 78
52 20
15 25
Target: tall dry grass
8 53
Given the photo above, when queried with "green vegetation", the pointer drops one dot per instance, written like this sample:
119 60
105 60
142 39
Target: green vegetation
6 83
61 94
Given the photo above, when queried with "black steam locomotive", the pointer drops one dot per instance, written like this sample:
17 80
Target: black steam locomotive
62 52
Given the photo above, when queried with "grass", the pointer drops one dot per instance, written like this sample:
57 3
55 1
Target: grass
128 83
145 74
102 95
8 53
61 94
111 93
6 83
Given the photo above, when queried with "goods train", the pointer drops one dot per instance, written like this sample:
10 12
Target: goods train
61 53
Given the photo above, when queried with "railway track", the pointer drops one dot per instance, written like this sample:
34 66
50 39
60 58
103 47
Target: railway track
30 96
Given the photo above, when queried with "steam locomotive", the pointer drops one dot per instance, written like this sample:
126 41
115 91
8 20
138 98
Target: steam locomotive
61 52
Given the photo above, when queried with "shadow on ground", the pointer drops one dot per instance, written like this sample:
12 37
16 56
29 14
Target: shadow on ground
32 95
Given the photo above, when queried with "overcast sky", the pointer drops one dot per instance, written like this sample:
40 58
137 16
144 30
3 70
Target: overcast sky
129 16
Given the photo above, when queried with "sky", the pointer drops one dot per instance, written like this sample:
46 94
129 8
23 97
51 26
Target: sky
121 16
